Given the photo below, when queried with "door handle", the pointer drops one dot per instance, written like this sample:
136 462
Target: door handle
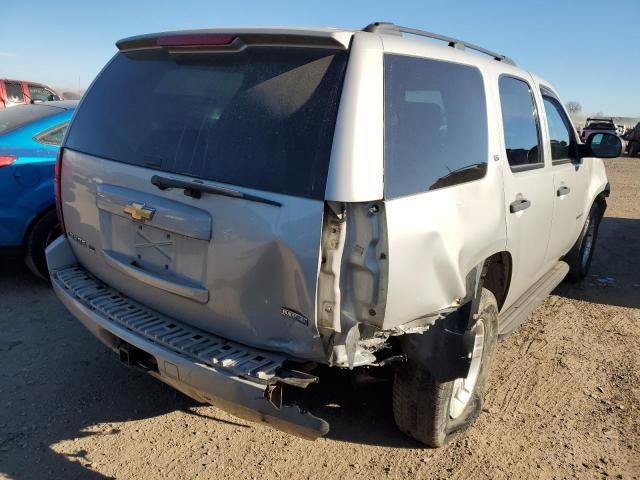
519 205
563 191
187 290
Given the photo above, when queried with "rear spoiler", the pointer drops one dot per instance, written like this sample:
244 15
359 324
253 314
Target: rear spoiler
217 40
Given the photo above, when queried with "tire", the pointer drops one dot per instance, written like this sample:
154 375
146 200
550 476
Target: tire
45 230
634 146
580 256
433 412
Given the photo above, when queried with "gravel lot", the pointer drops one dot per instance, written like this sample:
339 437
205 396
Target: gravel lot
563 400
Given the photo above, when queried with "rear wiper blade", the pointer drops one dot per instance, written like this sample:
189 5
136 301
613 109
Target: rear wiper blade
196 188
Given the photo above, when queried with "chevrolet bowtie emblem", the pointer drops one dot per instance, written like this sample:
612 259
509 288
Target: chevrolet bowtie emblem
139 211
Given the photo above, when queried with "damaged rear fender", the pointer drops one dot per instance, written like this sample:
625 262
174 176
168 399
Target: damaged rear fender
444 349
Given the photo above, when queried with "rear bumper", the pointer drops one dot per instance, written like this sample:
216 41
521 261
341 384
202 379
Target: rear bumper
214 384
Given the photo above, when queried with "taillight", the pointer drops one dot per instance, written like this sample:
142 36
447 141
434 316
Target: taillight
193 40
6 160
58 190
182 41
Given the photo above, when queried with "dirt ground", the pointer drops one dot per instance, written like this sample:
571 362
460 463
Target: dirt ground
563 400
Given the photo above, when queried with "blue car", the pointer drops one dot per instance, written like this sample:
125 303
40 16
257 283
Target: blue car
30 137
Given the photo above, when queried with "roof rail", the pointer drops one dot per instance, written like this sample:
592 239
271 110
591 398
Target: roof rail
393 29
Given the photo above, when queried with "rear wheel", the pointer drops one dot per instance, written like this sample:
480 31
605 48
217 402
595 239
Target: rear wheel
44 231
433 412
581 254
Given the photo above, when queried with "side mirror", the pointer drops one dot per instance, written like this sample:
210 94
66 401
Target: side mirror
604 145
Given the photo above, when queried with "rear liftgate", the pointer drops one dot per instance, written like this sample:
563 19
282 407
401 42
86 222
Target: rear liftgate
231 250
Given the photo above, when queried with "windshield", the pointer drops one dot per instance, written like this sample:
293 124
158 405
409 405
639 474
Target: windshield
261 118
20 115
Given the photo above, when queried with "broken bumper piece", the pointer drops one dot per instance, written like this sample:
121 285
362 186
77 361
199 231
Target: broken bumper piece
241 380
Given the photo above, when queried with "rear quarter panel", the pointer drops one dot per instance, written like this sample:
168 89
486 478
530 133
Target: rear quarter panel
26 186
26 190
436 238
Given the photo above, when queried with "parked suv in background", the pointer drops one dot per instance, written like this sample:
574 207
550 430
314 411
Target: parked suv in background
17 92
594 125
264 200
633 140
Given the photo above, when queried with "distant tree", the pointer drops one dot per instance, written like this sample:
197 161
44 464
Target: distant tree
599 114
574 107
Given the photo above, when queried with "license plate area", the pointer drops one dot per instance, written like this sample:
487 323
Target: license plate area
155 249
173 240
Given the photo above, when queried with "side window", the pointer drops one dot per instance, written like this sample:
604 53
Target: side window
53 136
520 123
41 94
14 92
435 125
562 144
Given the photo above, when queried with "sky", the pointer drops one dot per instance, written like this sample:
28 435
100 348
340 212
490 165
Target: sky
588 49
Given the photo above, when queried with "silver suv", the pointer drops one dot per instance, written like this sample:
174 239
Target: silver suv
241 206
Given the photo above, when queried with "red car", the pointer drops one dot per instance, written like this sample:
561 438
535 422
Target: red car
16 92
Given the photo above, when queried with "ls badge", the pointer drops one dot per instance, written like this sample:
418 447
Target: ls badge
298 317
139 211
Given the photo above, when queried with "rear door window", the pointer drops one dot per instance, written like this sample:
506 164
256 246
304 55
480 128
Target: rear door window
435 125
601 126
520 124
261 118
14 92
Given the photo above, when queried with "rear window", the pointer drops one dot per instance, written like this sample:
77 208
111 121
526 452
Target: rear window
20 115
53 136
601 126
261 118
